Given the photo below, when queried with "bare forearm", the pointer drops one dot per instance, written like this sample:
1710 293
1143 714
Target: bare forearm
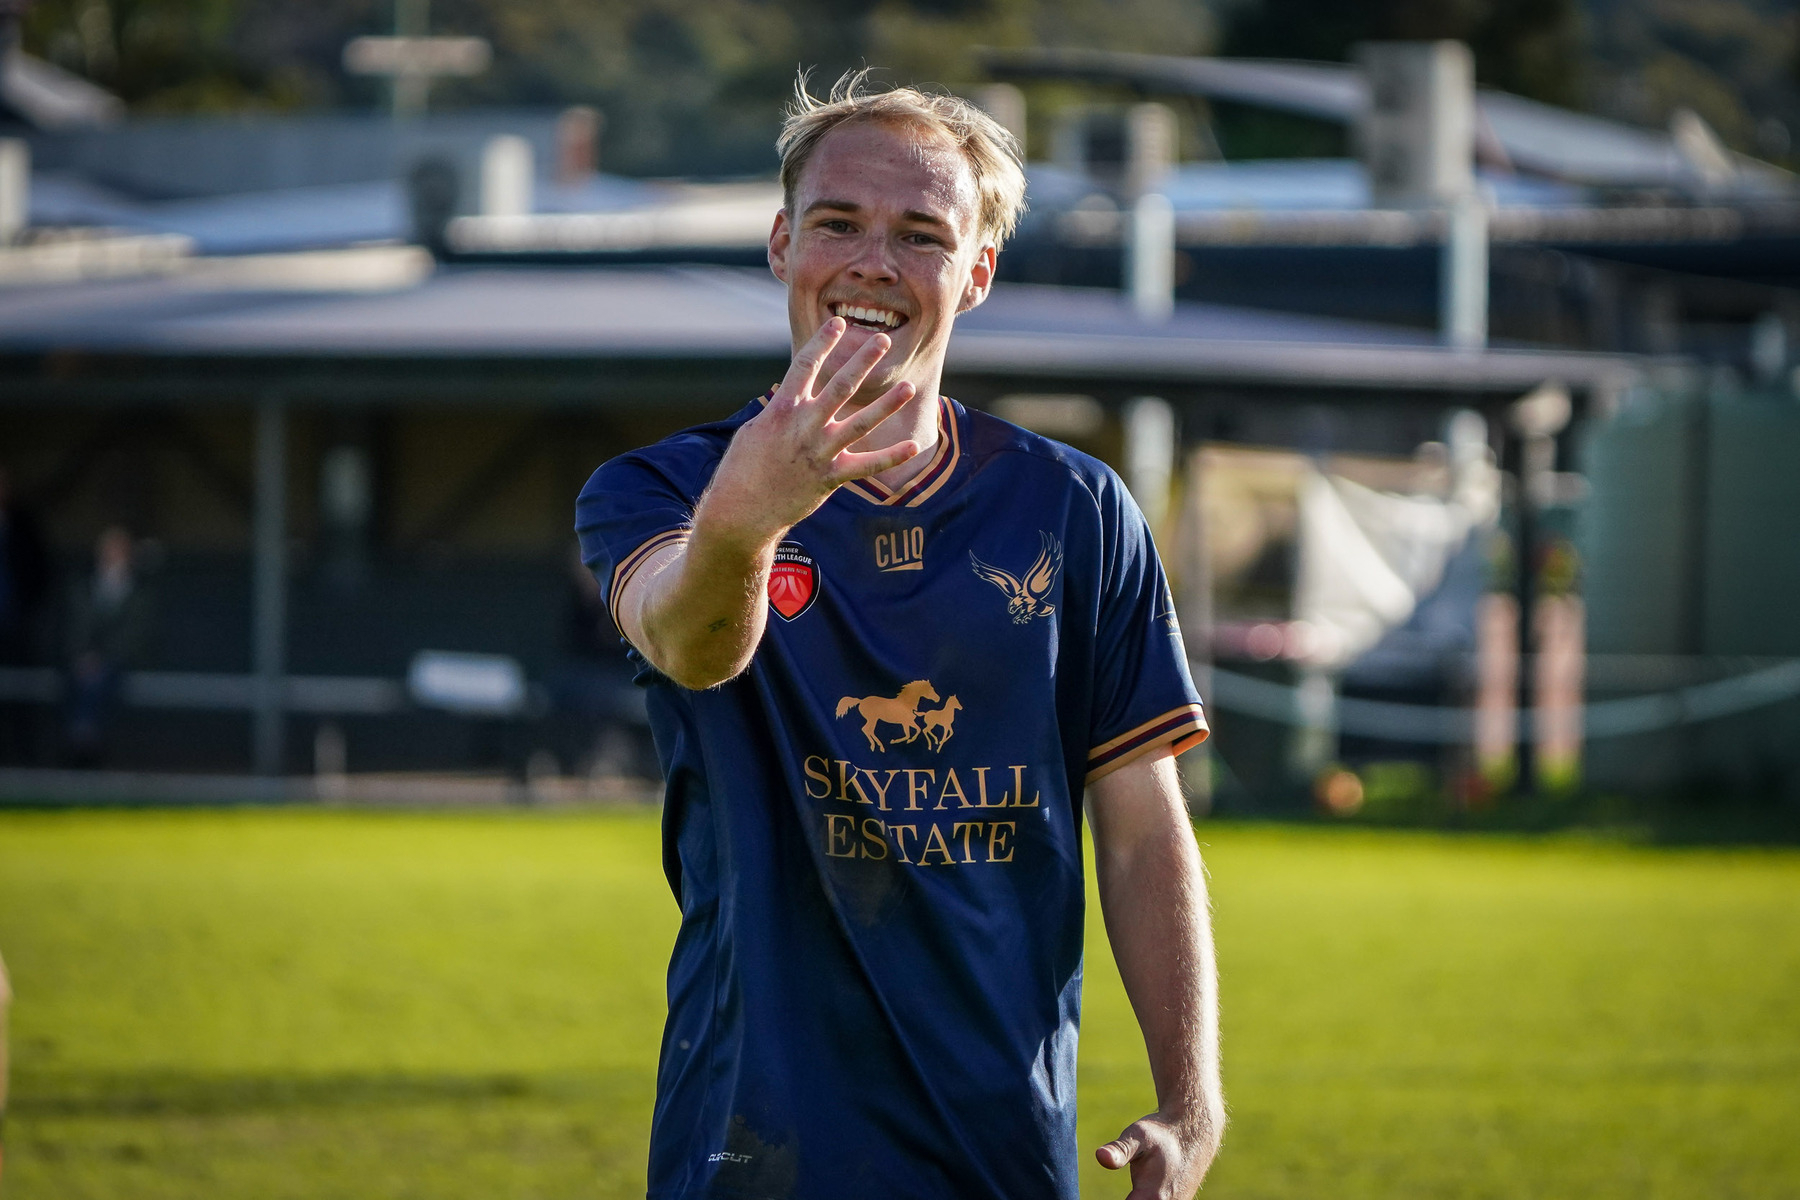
1153 895
697 610
700 616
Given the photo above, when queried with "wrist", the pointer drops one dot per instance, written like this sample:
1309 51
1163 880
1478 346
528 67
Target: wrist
736 529
1197 1122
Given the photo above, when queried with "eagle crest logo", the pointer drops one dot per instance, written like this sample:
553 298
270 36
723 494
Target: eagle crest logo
1026 594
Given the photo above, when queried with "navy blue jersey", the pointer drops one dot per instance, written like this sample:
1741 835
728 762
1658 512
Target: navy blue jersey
874 833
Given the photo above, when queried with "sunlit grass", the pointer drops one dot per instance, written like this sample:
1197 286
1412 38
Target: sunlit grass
302 1004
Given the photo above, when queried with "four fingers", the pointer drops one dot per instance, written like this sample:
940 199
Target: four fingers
849 378
821 404
800 384
873 462
809 358
855 427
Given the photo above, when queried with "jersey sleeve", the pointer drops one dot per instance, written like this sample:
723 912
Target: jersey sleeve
631 508
1144 696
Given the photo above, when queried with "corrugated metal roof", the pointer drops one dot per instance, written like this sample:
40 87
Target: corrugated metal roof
296 218
1539 138
699 313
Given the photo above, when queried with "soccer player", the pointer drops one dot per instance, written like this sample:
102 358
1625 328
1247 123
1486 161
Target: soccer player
888 642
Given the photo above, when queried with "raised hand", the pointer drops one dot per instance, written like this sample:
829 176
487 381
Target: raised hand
788 459
696 609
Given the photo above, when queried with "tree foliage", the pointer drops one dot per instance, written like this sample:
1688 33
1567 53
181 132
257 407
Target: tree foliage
682 86
1735 62
700 86
1532 47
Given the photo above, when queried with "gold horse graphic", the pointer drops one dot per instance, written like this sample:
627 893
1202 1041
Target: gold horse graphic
940 721
901 710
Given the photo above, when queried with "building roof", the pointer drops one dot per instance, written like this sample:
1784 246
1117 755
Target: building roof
297 327
1530 136
42 95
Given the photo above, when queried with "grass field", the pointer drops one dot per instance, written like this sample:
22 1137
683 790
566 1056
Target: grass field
323 1004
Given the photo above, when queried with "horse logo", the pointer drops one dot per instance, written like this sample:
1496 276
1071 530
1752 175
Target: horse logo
1025 595
938 723
901 710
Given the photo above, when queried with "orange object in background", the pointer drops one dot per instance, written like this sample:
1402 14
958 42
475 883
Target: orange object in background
1339 791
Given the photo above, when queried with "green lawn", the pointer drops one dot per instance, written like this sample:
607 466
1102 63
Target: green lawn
323 1004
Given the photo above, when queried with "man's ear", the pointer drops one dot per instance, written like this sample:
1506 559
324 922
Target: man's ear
780 238
981 278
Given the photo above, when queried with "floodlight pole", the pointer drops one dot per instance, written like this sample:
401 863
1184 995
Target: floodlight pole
1536 419
1150 156
410 58
12 22
1195 597
1463 274
412 19
269 593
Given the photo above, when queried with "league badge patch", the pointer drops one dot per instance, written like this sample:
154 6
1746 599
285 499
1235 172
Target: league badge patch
793 581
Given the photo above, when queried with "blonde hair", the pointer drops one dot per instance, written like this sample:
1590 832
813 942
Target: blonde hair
993 153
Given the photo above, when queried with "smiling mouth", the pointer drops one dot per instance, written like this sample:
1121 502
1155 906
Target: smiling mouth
864 317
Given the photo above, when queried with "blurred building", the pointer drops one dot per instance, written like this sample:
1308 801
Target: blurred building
347 374
1602 235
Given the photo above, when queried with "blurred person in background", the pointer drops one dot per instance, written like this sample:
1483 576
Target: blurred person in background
591 689
109 620
889 645
25 577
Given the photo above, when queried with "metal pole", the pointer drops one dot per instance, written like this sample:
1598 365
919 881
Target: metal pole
1194 572
1536 420
1463 274
12 19
1151 444
1698 516
269 599
1525 584
15 188
1694 550
1150 257
412 19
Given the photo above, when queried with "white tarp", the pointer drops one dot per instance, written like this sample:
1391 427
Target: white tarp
1367 557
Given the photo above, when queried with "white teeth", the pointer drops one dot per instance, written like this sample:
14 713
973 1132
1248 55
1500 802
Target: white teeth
876 315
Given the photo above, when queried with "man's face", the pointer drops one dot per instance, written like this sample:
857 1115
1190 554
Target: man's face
883 233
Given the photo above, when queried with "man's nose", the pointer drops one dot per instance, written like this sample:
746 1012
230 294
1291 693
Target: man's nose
875 261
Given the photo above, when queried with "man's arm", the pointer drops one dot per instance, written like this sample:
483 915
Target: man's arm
1153 896
696 609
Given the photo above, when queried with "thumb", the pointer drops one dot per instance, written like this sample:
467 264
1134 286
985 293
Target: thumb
1120 1150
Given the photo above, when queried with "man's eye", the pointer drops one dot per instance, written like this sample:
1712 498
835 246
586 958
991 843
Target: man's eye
835 226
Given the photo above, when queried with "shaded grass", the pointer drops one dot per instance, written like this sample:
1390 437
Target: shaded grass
285 1003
